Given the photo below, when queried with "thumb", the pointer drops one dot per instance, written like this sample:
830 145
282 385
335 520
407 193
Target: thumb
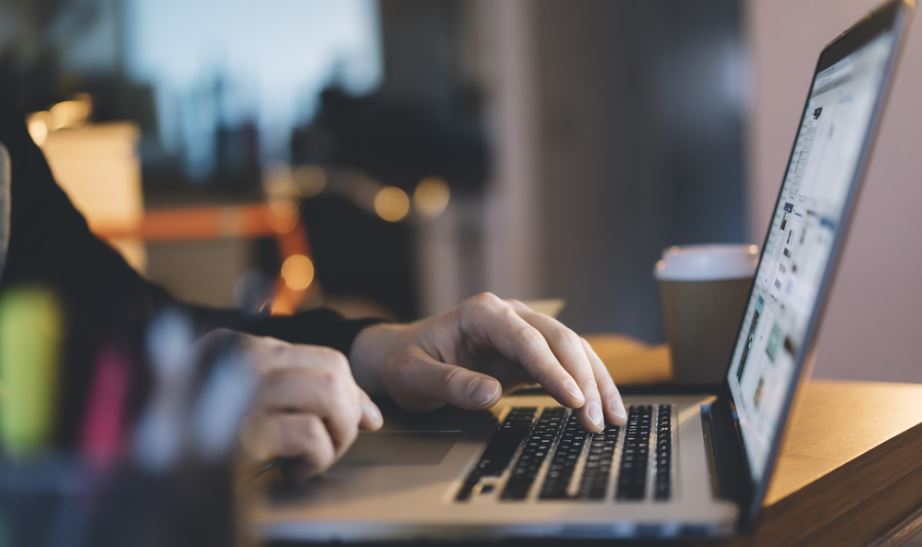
453 384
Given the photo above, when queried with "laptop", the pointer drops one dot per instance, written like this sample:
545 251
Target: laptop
685 465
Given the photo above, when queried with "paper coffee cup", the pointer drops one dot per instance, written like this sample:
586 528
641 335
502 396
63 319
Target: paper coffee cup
703 291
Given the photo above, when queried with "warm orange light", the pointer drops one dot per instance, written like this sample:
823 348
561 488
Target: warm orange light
431 196
283 215
72 113
298 272
392 204
38 125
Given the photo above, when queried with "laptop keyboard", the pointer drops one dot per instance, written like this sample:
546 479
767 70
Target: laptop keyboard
536 449
551 455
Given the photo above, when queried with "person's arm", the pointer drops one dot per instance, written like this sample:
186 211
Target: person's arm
465 357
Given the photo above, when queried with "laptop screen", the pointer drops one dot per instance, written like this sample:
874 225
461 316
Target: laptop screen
798 249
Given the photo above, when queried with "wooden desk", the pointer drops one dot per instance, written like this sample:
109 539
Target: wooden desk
850 471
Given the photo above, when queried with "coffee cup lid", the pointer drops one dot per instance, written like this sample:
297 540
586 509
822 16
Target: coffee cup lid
707 262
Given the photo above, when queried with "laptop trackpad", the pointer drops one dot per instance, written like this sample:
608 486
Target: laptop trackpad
400 448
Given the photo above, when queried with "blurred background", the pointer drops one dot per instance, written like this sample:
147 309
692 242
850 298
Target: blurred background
392 157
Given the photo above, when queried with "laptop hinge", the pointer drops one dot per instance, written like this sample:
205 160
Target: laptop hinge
730 475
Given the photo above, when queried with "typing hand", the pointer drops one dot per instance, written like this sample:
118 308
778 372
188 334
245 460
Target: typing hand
468 356
308 407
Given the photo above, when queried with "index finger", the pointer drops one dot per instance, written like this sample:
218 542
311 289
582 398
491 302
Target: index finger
614 404
489 319
571 353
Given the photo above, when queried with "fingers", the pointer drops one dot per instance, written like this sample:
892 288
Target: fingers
488 319
371 415
451 384
316 382
571 353
324 393
302 436
612 403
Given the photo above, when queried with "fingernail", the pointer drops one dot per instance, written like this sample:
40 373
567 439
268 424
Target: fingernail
373 412
481 392
617 408
574 391
595 414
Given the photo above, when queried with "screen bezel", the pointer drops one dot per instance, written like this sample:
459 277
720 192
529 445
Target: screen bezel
890 17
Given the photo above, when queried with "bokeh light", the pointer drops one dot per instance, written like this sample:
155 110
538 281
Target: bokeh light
311 180
431 196
298 272
38 127
392 204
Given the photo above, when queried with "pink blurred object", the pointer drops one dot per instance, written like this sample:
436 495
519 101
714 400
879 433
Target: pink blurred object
103 423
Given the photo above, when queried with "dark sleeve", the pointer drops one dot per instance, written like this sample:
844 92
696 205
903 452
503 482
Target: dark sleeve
51 244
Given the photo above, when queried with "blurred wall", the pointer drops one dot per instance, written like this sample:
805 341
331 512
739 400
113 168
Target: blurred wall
874 319
639 145
502 56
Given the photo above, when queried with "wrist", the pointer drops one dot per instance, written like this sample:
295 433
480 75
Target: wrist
373 348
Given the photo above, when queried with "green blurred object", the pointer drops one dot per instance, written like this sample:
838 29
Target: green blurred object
30 336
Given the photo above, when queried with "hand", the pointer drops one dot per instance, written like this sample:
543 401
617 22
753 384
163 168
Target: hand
468 356
307 407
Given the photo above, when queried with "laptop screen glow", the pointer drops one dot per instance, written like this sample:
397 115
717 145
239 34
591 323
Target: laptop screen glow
798 248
